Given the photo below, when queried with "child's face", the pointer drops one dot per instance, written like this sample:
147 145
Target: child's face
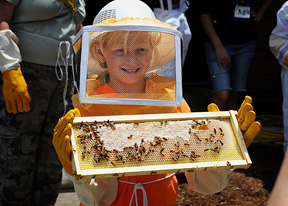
127 62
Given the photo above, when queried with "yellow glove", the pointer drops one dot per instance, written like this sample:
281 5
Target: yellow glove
246 120
15 91
62 137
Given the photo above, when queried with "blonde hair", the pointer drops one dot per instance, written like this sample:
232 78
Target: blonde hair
123 36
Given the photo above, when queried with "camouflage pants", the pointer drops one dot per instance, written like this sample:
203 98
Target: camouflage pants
30 171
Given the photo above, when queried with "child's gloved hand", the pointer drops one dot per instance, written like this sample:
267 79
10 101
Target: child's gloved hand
61 139
15 91
246 120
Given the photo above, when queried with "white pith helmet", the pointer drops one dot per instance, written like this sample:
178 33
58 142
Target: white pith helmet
118 9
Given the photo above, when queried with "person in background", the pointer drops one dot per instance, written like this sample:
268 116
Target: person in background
231 30
278 43
279 194
125 66
37 86
173 13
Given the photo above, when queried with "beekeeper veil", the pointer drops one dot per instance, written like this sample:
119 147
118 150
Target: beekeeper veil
120 54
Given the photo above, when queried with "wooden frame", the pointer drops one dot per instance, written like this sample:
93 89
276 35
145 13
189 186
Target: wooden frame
244 162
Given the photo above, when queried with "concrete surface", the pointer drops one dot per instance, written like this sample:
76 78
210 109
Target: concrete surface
67 197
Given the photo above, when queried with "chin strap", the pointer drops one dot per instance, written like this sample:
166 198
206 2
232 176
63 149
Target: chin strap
58 68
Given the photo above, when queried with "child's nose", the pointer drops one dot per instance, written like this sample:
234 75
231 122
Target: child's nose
131 58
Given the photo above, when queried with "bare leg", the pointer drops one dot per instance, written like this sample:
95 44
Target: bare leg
221 99
226 100
232 103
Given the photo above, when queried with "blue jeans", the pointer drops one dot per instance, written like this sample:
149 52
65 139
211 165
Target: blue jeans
234 78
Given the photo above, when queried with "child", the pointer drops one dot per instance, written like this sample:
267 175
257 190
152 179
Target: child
127 64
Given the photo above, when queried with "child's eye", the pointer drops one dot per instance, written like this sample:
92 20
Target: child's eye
142 50
120 50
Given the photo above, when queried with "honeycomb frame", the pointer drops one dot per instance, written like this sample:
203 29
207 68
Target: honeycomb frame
208 147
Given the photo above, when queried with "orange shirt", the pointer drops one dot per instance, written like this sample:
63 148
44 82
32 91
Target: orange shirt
156 88
160 193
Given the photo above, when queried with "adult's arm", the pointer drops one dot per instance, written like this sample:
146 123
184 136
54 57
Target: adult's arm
222 55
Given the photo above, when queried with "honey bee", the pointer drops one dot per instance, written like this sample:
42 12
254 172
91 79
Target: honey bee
221 142
147 153
135 124
83 154
177 144
162 149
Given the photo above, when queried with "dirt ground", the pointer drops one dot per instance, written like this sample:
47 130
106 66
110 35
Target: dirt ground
247 187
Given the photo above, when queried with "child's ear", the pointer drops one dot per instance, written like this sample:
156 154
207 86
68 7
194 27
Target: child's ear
98 53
